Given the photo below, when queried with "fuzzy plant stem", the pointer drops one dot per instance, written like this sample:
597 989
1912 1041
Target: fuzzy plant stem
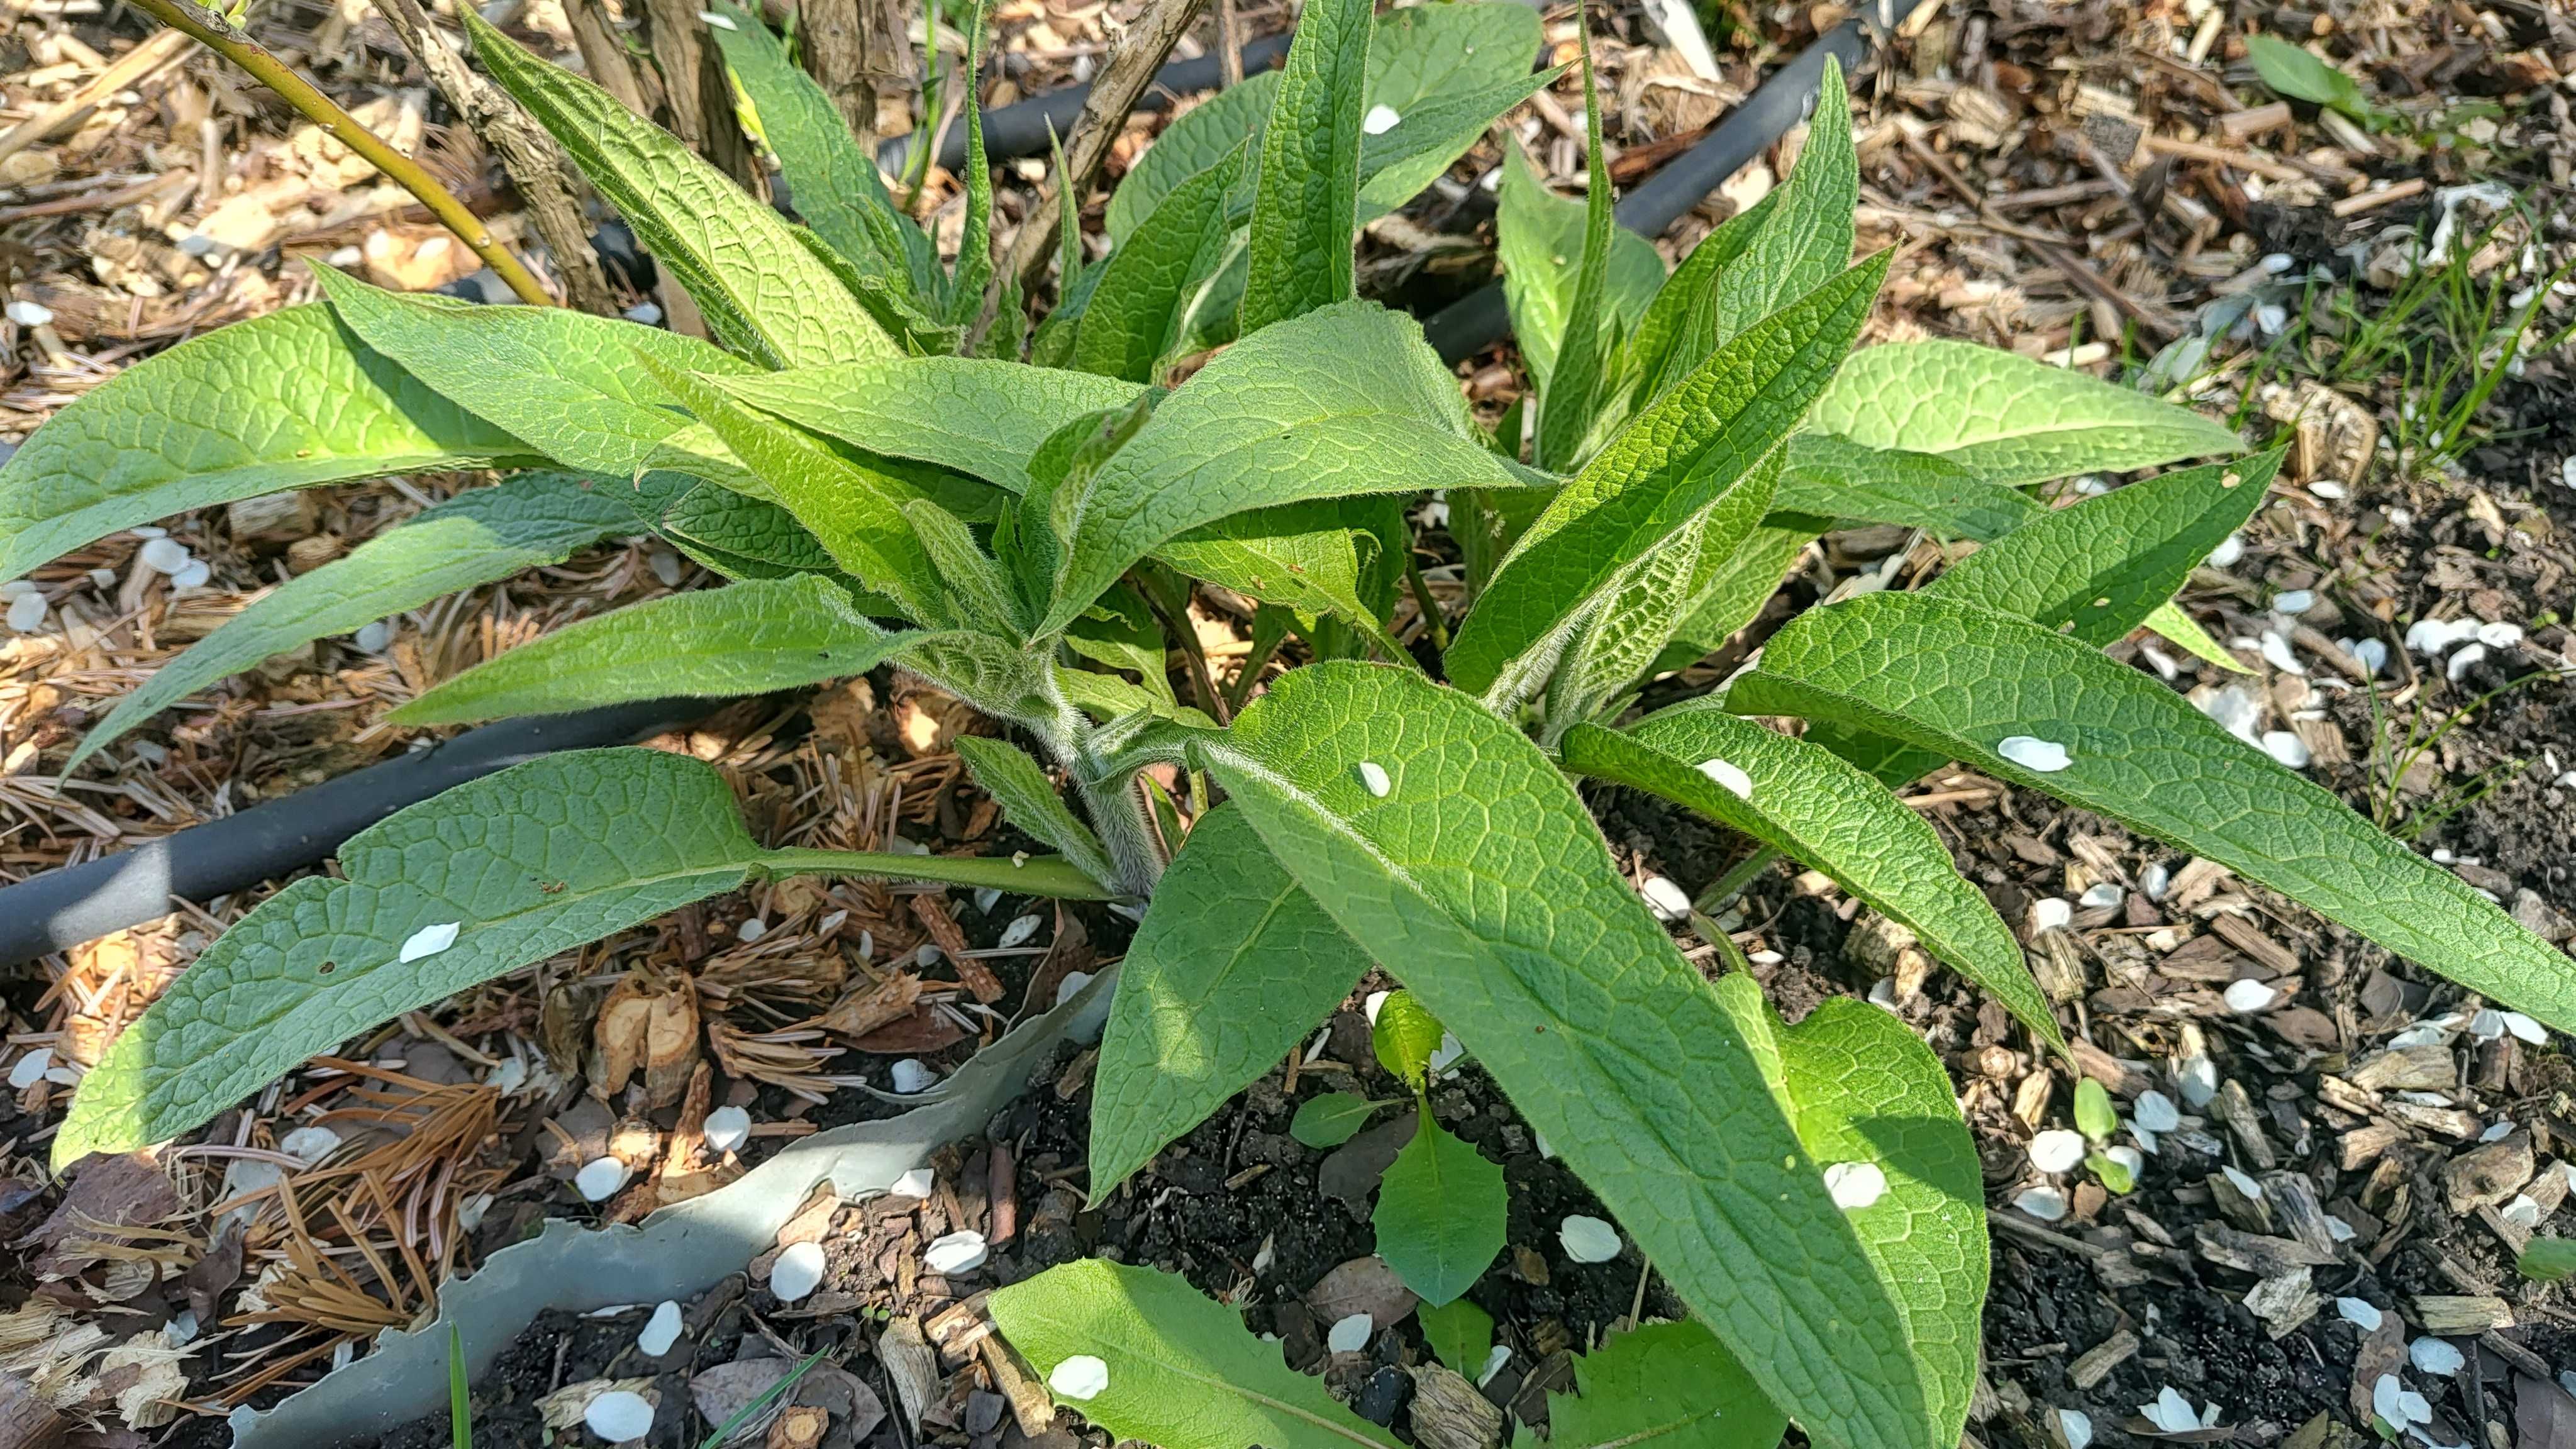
229 41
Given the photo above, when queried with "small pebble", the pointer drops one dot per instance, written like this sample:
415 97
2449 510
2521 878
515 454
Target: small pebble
1350 1335
1588 1239
2360 1313
2249 996
599 1179
620 1416
1079 1378
2044 1203
2057 1150
797 1272
727 1128
1737 783
2032 753
660 1331
962 1251
1855 1185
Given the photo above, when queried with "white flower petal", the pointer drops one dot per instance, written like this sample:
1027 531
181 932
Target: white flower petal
2249 996
796 1272
1734 779
1079 1378
1373 775
599 1179
2075 1427
660 1331
2435 1356
2360 1313
918 1183
727 1128
962 1251
2057 1150
1668 901
1588 1239
31 1069
620 1416
2032 753
2525 1029
1351 1334
910 1075
2251 1190
1380 120
1855 1185
428 941
2157 1112
2044 1203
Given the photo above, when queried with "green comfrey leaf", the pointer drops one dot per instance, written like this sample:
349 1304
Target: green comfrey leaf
2094 1116
1460 1333
746 638
1146 1356
2094 571
1806 239
1305 207
1231 967
2097 570
1576 382
1679 328
762 292
1539 241
1827 477
1405 1036
833 179
1876 1107
1108 698
856 513
2546 1260
1814 808
1658 477
980 417
1136 314
1119 630
563 380
2178 628
1301 556
2293 72
981 592
745 531
1480 880
1662 1386
2007 418
526 522
1996 691
1332 1119
1028 800
496 874
974 267
1196 140
1441 1212
1728 593
1343 401
304 402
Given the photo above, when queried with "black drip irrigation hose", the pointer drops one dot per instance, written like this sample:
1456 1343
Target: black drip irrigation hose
65 907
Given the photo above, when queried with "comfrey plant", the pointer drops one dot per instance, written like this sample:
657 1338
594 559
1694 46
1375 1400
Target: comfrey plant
863 445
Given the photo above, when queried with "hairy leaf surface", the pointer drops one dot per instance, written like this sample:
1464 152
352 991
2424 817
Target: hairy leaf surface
1029 801
1807 238
506 870
1133 321
288 400
2008 418
1182 1369
1813 807
1479 878
565 381
981 417
1539 240
1657 477
746 638
1954 677
1231 967
1344 401
762 292
1827 477
1305 206
832 178
522 523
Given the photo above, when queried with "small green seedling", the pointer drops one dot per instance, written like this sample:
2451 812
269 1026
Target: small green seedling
2093 1115
2546 1260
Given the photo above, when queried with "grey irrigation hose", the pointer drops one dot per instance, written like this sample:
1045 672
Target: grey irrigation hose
79 903
65 907
1473 323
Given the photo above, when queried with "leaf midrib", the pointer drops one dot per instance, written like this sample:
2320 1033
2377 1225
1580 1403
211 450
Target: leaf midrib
1213 1381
